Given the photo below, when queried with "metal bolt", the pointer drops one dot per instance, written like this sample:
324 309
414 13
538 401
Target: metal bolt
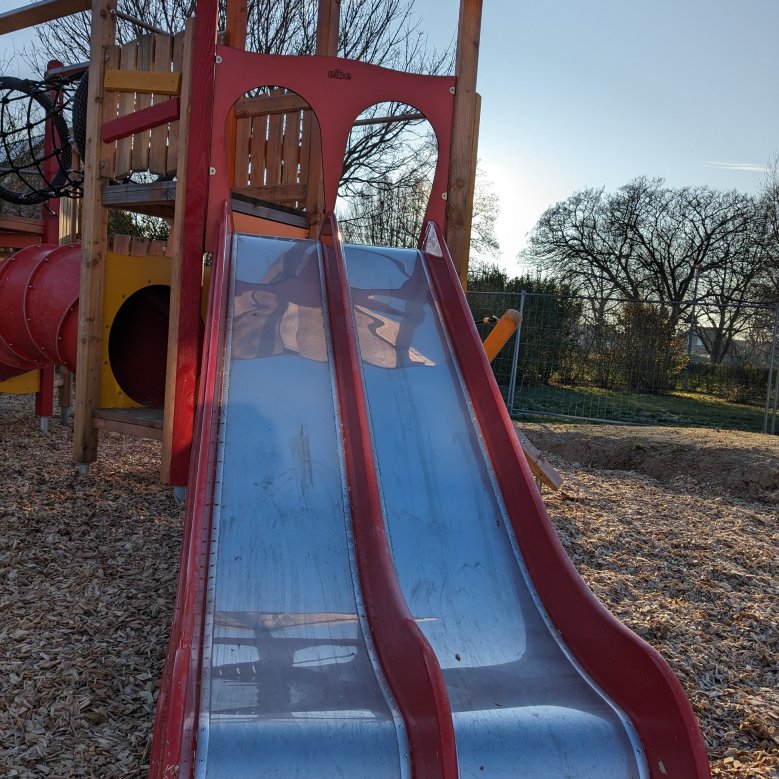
452 90
445 195
218 59
212 171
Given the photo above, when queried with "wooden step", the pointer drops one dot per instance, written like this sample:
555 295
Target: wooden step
157 198
138 422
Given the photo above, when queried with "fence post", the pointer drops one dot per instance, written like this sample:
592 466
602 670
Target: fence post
691 331
774 334
515 356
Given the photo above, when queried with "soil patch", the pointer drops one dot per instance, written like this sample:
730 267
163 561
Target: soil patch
745 465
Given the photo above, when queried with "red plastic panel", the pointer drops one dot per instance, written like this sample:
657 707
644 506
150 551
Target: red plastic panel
338 91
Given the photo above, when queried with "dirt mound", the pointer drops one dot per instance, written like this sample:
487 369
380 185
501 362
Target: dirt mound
745 465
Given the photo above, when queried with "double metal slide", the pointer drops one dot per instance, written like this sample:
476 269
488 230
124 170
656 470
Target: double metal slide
382 593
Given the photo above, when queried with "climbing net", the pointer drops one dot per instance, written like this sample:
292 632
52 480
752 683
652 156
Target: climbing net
27 175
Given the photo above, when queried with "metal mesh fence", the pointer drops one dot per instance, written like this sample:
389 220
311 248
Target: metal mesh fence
689 363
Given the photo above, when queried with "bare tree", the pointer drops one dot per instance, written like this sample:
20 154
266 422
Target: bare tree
647 241
389 210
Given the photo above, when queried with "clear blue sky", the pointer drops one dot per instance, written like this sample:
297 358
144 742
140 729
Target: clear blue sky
579 93
583 93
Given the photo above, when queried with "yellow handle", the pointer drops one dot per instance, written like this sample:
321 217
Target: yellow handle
502 331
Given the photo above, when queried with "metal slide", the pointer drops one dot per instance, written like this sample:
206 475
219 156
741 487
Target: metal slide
294 682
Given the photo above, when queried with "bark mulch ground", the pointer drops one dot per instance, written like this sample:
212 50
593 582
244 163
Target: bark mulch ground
88 567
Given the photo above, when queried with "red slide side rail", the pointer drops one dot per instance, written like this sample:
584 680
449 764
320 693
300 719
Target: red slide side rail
625 667
408 661
175 724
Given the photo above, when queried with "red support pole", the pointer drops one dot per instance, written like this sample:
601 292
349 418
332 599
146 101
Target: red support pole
196 197
44 398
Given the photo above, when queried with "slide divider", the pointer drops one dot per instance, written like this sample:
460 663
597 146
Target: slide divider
407 659
626 668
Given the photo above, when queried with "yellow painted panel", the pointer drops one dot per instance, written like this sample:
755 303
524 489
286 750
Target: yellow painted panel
144 81
26 384
123 277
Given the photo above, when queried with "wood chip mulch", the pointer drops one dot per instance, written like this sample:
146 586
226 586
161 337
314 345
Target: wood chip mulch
87 581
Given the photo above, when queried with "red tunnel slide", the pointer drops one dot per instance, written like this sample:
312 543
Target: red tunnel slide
39 289
39 313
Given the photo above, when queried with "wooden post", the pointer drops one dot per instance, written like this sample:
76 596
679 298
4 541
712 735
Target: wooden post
327 28
237 21
94 242
462 163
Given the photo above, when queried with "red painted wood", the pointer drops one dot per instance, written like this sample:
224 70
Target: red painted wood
175 723
337 101
38 298
409 663
44 398
630 671
18 240
138 121
200 118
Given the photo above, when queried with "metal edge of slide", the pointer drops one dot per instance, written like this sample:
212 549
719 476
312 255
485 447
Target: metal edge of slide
173 741
407 659
630 671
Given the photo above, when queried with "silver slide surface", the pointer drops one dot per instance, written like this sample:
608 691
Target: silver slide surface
521 707
290 685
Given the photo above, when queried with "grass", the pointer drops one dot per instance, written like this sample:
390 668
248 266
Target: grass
681 409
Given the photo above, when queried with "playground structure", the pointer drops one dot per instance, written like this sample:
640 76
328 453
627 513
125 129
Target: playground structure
369 583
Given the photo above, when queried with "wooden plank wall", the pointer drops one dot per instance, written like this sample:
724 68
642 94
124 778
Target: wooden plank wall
273 147
130 246
155 150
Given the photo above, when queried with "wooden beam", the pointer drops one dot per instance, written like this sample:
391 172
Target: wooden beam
129 197
237 13
279 193
94 241
20 224
138 422
245 204
269 104
327 29
145 82
145 119
40 13
538 463
464 143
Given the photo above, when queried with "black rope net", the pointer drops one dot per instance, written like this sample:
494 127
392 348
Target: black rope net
31 171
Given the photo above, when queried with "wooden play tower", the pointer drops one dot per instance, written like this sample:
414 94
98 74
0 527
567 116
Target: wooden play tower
151 109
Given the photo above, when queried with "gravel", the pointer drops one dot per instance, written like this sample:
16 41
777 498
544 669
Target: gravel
87 583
